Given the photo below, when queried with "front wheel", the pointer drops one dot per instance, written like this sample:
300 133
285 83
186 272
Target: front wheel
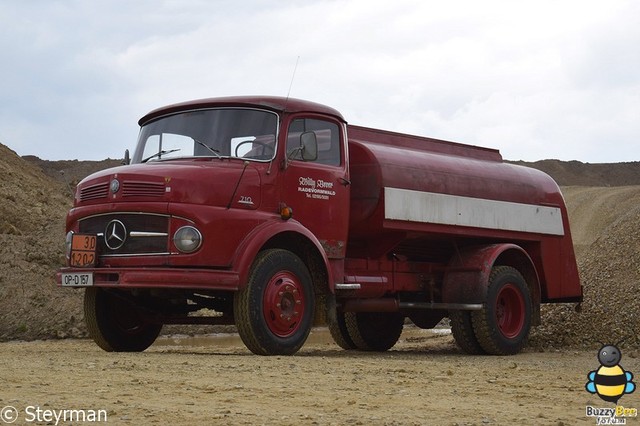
116 324
502 326
274 312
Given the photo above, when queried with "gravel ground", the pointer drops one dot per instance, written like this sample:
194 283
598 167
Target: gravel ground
423 380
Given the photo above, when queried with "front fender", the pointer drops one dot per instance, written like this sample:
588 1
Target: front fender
254 242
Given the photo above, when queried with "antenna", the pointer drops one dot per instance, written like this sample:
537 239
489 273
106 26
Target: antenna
292 77
286 101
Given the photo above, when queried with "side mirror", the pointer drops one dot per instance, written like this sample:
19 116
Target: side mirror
127 159
309 146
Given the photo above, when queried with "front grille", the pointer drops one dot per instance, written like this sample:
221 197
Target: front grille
142 189
143 233
94 192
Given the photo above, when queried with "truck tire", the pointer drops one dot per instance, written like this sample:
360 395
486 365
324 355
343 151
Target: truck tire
115 324
503 326
339 332
274 312
463 333
374 331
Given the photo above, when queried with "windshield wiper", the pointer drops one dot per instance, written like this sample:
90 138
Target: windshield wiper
214 151
159 153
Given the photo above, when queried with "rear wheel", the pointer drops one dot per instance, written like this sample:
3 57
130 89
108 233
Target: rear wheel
339 331
503 326
463 333
374 331
116 324
274 312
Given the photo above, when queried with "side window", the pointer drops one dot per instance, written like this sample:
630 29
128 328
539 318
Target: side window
327 135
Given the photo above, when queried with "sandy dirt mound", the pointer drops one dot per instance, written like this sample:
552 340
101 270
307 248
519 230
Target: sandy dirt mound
593 209
70 172
575 173
32 211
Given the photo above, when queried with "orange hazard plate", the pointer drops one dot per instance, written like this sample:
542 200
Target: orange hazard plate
83 250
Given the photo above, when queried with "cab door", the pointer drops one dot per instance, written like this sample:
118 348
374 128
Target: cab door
318 190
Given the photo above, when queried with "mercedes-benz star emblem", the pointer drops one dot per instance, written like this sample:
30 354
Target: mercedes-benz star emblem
115 234
114 185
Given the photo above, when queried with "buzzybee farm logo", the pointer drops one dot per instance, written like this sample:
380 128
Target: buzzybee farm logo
610 382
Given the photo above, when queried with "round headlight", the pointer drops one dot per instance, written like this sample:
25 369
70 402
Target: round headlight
187 239
67 244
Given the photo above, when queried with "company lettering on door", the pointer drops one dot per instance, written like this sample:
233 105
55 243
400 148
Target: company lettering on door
317 189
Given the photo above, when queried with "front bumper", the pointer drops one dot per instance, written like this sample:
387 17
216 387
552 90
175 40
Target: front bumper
157 278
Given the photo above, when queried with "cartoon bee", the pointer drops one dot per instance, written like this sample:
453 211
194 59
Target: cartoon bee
610 381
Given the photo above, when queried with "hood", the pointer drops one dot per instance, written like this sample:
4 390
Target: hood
208 182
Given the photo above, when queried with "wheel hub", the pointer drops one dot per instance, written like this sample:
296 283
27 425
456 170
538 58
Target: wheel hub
510 311
283 304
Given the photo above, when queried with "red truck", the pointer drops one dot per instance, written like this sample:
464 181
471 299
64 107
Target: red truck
275 215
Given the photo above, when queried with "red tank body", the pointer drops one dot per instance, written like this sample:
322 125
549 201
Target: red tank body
274 214
382 162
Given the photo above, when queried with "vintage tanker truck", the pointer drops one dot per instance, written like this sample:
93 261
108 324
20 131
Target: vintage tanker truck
274 214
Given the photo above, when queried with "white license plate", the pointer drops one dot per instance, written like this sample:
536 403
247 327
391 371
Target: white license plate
77 280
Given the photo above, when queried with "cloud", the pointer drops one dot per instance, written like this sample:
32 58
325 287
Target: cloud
536 79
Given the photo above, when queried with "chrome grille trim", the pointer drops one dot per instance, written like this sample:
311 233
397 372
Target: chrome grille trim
129 213
138 234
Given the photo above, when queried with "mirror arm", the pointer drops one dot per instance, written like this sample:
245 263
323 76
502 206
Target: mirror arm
287 160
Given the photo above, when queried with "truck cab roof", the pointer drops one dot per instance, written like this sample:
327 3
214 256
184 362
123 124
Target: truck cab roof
273 103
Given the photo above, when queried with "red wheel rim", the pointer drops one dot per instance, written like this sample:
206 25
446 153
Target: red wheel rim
510 311
283 304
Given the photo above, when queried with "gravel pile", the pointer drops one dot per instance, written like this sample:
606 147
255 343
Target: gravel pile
610 275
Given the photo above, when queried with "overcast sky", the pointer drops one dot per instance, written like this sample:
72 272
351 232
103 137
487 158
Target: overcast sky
536 79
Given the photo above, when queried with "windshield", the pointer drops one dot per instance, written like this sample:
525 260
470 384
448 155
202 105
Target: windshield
231 132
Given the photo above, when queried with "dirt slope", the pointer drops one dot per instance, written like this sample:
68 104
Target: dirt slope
593 209
32 210
576 173
605 223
